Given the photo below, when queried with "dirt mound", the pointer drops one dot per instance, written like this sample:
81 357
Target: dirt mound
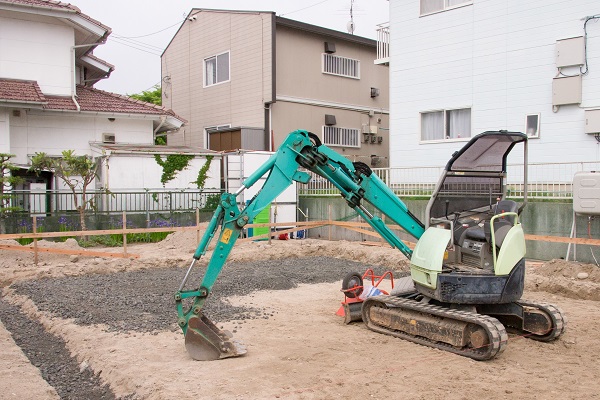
569 279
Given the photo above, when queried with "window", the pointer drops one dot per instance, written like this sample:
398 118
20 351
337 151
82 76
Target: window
335 136
216 69
341 66
446 124
532 125
433 6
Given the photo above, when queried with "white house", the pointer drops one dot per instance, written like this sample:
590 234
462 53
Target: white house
461 67
48 103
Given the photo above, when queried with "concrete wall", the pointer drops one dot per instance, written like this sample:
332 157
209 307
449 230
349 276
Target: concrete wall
538 218
147 173
498 58
38 49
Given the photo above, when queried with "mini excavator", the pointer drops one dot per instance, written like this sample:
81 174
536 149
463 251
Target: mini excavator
467 268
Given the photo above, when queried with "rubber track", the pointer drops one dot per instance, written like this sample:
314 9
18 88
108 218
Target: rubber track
497 336
559 320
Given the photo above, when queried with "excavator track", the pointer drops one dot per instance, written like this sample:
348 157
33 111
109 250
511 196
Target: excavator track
468 334
558 320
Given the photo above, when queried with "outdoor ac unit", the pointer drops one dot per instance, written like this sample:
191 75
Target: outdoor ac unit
372 129
108 138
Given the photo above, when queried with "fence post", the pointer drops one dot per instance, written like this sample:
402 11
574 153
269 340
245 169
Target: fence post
197 226
147 209
124 233
329 218
35 246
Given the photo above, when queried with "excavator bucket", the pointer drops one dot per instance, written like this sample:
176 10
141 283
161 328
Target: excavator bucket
205 342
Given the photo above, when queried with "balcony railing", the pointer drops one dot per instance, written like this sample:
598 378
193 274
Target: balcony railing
383 44
545 180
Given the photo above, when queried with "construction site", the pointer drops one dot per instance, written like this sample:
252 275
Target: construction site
101 328
451 308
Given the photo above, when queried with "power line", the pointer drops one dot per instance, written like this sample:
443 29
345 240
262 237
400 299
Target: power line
134 47
301 9
153 33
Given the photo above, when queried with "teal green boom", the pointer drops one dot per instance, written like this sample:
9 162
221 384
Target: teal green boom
204 341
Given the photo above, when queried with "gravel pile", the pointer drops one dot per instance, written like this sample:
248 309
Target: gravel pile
50 355
143 300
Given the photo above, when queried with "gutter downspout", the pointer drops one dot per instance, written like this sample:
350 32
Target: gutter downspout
74 71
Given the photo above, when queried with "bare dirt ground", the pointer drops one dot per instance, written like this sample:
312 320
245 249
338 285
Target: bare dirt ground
298 348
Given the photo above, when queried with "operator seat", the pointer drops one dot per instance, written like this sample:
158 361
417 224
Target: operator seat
501 225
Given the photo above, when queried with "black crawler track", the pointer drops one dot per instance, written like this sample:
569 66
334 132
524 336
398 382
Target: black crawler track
558 319
497 337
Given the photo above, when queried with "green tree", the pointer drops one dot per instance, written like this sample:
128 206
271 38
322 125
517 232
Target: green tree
7 182
77 172
153 95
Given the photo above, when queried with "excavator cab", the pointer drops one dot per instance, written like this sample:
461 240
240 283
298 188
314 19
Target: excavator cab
482 259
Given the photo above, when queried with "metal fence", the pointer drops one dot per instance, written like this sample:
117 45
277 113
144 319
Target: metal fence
545 180
52 202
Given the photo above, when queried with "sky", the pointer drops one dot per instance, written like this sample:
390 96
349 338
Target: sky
141 29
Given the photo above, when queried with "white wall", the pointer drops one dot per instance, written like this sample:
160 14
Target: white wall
134 172
4 131
52 132
497 57
37 49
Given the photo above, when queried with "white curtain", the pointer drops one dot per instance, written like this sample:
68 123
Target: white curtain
211 71
459 123
429 6
432 125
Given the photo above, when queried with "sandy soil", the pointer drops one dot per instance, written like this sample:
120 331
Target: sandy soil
304 351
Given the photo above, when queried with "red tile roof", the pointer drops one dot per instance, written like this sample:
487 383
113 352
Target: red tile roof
58 5
89 99
21 91
96 100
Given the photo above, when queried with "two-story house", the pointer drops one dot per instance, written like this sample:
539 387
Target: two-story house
245 79
48 103
461 67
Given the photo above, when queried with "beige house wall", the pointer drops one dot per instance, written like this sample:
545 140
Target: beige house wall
237 102
305 94
299 70
288 117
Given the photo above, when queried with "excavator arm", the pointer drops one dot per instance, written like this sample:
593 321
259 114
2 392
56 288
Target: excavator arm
355 181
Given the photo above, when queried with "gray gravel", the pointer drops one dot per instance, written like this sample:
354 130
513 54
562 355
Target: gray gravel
143 300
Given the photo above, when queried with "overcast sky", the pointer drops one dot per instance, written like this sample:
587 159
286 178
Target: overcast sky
135 45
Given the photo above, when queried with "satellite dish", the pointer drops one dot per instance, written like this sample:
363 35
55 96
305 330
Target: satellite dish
350 26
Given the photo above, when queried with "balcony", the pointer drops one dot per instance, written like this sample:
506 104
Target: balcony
383 44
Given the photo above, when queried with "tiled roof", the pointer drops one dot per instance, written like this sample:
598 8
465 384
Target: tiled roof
95 100
58 5
21 91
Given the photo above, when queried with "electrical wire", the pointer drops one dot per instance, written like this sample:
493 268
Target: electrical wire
302 9
153 33
583 69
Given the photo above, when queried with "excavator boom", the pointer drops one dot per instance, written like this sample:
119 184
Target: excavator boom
301 149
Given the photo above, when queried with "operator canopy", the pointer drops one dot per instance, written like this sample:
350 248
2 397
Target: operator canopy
475 176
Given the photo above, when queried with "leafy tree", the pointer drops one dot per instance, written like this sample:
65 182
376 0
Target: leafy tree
153 95
7 181
77 172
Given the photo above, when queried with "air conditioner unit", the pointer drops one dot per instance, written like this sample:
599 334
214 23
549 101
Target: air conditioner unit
108 138
372 129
